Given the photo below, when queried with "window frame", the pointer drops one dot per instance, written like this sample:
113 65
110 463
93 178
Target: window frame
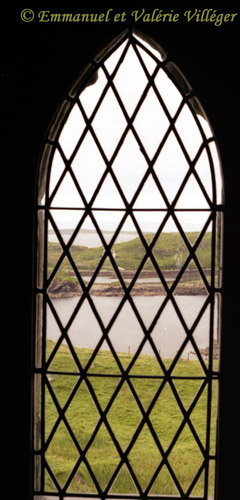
226 315
55 132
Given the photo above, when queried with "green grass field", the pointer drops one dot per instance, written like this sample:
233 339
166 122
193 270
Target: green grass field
124 417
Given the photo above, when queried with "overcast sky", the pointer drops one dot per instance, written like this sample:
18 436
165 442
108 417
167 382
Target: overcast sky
151 124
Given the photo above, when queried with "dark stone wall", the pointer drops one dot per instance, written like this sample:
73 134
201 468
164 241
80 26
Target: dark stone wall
40 62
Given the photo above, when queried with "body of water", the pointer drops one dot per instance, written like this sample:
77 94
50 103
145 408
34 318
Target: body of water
91 239
126 332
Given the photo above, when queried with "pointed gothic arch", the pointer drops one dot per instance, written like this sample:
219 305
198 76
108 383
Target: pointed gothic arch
129 151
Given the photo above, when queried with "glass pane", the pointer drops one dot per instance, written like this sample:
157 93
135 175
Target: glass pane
112 60
67 194
123 340
131 88
103 457
150 196
57 170
89 97
72 131
85 331
88 160
148 61
151 123
171 167
129 166
192 461
66 222
108 196
168 91
218 173
109 123
189 132
152 46
43 174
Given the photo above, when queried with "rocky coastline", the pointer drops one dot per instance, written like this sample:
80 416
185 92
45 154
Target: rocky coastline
68 288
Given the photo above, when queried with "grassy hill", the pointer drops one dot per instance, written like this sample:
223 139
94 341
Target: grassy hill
169 251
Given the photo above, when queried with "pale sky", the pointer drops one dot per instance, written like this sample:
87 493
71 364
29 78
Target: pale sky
151 124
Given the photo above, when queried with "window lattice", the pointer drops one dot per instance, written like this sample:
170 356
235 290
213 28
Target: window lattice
126 389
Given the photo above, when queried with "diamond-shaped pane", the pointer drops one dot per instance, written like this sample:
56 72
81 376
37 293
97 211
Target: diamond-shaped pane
128 255
151 123
103 456
204 253
109 123
147 293
54 249
152 456
51 413
190 295
132 87
171 167
166 416
124 416
106 294
170 251
111 61
57 169
148 60
189 132
62 454
72 131
168 333
88 159
129 166
129 337
85 331
168 91
187 452
203 170
82 415
64 284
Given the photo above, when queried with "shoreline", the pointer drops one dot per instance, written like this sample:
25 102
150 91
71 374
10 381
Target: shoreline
61 289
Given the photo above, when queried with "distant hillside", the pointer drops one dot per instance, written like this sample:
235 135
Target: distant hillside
169 251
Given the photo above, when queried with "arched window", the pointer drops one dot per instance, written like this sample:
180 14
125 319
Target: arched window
128 285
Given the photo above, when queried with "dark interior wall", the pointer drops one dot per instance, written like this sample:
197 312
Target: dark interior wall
41 60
